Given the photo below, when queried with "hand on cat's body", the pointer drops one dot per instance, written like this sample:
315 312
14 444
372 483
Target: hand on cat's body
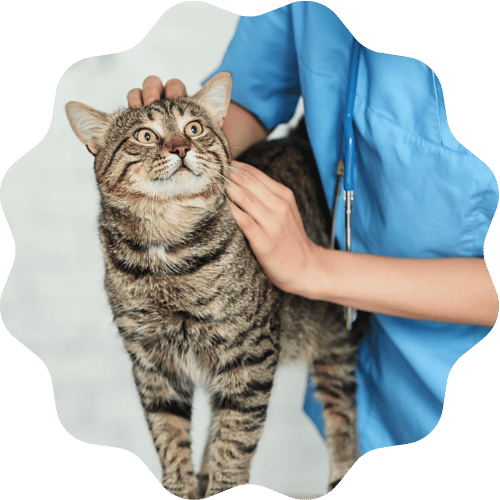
456 290
267 213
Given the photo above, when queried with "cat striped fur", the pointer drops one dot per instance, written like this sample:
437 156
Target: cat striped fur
191 302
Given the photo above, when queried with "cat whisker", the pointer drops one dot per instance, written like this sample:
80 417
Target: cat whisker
227 180
213 182
246 174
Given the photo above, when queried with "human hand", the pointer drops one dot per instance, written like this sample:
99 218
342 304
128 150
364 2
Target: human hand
267 213
153 90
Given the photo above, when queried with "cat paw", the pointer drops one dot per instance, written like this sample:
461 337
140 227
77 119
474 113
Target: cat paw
190 494
202 484
333 484
213 489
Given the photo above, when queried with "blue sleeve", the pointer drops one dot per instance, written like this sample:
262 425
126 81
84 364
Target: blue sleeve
262 61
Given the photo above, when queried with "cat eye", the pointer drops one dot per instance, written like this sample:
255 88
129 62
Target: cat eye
193 129
146 136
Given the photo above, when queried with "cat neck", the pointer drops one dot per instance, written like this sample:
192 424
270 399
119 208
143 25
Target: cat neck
169 222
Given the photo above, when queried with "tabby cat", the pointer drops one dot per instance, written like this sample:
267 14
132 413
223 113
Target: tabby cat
190 300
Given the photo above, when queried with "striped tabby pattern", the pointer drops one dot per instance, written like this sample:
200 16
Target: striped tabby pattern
190 301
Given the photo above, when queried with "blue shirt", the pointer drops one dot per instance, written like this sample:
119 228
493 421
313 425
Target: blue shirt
418 192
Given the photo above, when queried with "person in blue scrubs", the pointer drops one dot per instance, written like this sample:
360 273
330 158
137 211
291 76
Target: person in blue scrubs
423 205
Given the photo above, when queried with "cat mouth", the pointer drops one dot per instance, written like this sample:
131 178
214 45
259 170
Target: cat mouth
183 168
179 170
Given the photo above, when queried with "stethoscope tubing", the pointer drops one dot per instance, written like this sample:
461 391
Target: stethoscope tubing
348 118
345 167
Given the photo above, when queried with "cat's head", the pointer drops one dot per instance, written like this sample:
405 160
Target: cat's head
170 149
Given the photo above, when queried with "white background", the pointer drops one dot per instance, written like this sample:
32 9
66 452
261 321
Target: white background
51 202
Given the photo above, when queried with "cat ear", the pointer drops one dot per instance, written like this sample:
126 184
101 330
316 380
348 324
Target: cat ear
215 96
88 124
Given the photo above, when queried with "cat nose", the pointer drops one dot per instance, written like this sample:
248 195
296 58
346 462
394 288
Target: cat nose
180 150
178 146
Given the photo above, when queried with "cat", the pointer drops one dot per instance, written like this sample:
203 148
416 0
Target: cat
190 300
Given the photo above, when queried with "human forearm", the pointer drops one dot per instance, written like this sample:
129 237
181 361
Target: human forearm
242 129
455 290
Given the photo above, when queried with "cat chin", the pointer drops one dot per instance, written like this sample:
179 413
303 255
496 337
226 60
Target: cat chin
182 185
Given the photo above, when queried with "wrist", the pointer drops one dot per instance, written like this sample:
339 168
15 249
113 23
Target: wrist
317 283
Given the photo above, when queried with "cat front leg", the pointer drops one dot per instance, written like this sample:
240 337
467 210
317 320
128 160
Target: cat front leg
236 433
167 406
239 408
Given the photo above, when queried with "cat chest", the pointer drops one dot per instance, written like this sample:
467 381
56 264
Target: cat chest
179 346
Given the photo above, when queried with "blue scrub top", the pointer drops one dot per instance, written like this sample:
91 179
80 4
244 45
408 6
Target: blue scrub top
418 192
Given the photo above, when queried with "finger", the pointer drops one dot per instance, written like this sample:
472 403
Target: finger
274 195
269 191
246 201
245 176
261 239
241 172
175 88
134 98
244 171
244 221
266 217
152 90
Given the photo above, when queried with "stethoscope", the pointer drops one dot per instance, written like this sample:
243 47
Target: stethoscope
345 167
